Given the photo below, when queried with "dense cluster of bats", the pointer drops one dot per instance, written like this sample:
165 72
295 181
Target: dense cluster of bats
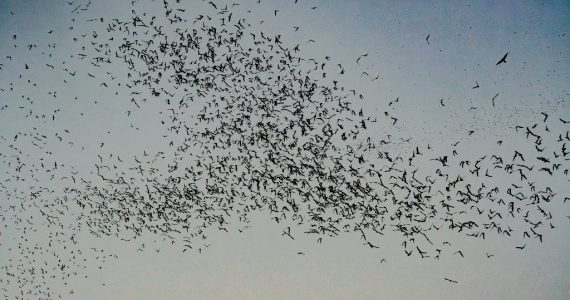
252 126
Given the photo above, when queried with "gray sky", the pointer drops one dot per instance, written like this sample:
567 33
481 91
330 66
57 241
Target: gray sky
466 39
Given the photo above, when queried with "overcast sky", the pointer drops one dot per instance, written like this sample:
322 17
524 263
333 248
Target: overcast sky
466 39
